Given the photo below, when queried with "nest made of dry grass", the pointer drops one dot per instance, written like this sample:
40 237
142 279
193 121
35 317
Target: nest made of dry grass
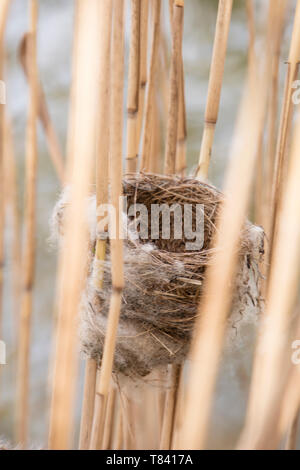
163 281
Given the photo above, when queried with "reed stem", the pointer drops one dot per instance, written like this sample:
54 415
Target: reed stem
133 87
146 145
175 81
214 86
72 266
115 178
28 255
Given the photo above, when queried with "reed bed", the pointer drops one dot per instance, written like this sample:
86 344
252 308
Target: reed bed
155 316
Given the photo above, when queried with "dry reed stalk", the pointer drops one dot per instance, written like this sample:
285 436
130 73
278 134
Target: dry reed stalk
87 413
179 410
146 145
73 87
115 178
169 409
109 419
180 166
271 351
11 192
250 11
133 87
285 125
117 442
273 102
143 65
214 86
210 328
291 440
101 198
175 80
3 17
72 260
28 255
44 116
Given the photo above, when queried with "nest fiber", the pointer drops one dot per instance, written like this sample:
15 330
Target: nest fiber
164 280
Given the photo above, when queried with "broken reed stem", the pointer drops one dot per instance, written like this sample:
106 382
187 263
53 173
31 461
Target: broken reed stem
214 86
146 145
72 266
285 126
3 17
213 309
44 116
271 351
169 408
102 155
175 78
116 244
28 256
133 87
143 66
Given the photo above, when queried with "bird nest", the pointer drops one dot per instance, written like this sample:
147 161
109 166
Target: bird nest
164 272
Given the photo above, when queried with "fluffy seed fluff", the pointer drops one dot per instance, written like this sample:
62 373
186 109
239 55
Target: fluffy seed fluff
164 282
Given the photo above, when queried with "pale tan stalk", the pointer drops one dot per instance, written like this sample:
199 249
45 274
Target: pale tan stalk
143 66
209 331
285 125
250 11
12 201
146 145
116 244
133 87
88 404
273 102
109 419
180 165
291 439
175 79
169 409
28 255
273 349
214 86
44 116
118 438
102 198
72 265
3 17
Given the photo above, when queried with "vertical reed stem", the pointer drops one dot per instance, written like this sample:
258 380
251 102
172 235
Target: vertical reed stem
133 87
214 86
44 116
115 177
285 125
101 198
72 267
143 65
3 17
175 73
28 259
169 409
151 86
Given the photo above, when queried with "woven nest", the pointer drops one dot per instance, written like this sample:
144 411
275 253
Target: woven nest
163 280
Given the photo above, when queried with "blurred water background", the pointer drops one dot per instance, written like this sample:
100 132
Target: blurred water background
54 60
